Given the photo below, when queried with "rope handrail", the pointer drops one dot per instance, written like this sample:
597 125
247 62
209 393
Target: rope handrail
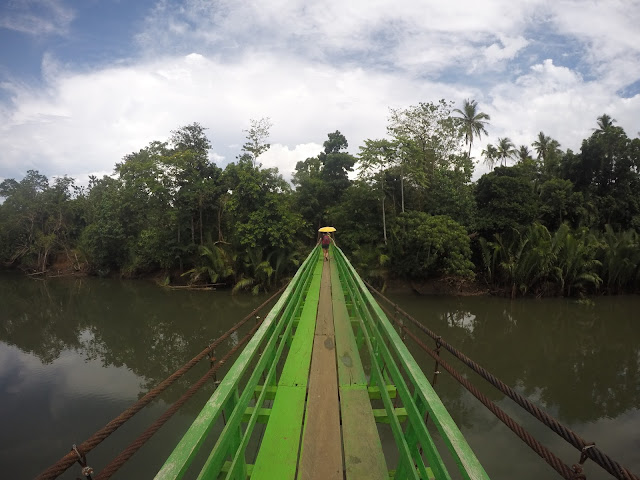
586 448
98 437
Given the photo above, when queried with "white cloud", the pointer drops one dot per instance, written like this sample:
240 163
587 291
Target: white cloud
36 17
505 50
89 121
317 68
557 101
285 158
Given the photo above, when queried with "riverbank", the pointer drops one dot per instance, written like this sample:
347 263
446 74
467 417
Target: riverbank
444 286
450 285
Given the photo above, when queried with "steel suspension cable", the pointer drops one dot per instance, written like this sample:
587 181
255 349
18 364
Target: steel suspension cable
98 437
547 455
586 448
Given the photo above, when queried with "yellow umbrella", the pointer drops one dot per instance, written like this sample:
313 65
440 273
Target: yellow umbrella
326 229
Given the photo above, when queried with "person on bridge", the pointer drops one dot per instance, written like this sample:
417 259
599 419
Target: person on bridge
325 241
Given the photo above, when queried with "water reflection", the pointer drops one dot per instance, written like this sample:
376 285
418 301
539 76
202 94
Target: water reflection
148 330
75 353
579 361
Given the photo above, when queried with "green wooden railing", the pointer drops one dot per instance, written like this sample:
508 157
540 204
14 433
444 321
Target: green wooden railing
268 384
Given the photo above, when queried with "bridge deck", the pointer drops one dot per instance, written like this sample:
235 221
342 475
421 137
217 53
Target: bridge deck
302 375
321 455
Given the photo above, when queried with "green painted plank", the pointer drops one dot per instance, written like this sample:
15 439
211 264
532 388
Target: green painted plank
271 391
374 392
227 466
296 368
462 453
350 371
278 455
430 475
381 416
363 455
182 456
223 447
282 434
263 414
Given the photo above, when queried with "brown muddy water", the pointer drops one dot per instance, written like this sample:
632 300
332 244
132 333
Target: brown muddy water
74 353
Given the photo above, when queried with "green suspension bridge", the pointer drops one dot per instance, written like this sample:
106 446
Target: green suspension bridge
325 388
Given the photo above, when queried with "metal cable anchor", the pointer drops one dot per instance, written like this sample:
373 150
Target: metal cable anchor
577 467
87 471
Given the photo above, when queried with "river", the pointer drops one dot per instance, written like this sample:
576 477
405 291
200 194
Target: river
74 353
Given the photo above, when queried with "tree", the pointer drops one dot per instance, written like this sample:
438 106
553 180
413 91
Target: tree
37 220
260 207
374 156
192 137
505 200
559 203
429 138
575 263
619 253
424 245
607 172
431 147
490 154
472 122
257 136
605 124
321 181
311 191
523 153
505 150
336 164
104 241
548 151
199 189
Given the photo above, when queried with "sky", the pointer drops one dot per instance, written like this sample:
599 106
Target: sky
85 82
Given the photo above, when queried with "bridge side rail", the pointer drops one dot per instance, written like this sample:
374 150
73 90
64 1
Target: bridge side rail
391 359
230 446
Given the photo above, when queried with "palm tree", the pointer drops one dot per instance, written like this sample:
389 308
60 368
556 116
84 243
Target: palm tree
541 145
472 122
523 153
490 154
506 149
575 265
605 123
215 264
545 147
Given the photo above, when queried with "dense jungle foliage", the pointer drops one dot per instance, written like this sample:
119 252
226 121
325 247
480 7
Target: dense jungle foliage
541 222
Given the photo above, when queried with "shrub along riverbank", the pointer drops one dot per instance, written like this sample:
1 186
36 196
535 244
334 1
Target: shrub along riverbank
542 222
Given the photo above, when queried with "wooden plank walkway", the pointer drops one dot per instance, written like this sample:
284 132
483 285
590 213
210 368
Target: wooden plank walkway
339 434
338 391
363 455
322 445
